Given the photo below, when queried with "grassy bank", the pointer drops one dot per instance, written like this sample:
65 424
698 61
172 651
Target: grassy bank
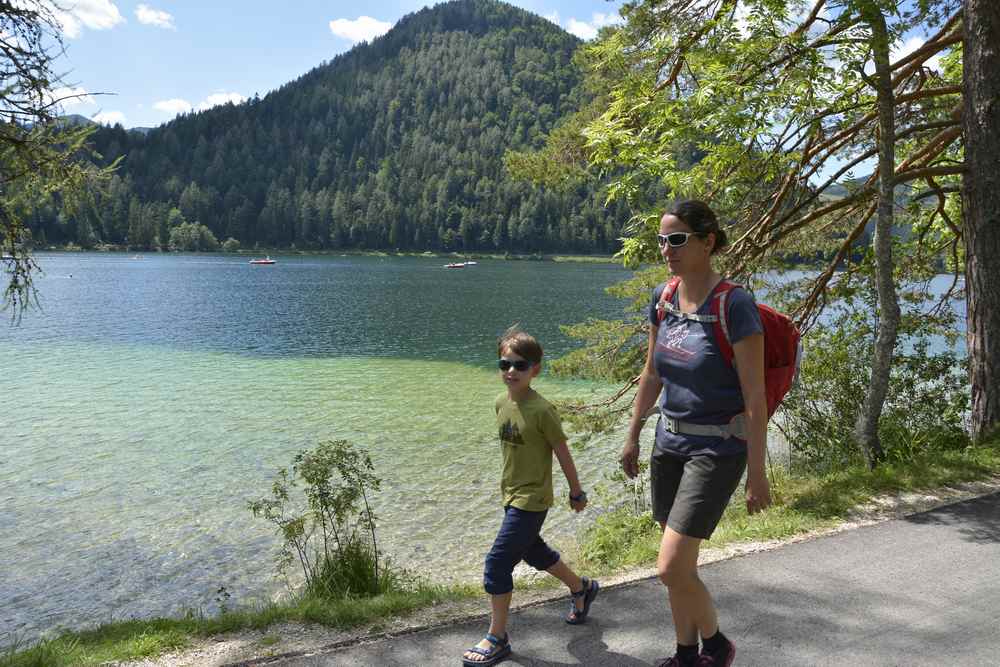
129 640
617 542
802 504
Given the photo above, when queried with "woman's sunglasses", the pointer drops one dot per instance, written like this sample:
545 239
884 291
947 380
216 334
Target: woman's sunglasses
675 239
520 365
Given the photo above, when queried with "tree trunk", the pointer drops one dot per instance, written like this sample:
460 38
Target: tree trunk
981 209
866 429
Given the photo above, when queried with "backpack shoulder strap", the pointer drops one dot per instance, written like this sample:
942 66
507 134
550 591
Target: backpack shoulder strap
666 297
717 306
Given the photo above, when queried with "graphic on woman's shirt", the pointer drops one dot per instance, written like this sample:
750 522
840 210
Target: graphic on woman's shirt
511 434
673 341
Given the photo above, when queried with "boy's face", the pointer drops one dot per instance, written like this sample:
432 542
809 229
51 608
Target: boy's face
516 372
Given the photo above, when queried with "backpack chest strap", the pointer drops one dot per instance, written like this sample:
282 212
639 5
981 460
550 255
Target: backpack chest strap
668 307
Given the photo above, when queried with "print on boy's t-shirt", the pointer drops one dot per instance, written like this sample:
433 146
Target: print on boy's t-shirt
511 434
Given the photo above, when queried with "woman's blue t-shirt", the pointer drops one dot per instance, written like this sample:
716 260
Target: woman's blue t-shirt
699 385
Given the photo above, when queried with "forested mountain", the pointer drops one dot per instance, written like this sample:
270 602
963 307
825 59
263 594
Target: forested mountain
394 144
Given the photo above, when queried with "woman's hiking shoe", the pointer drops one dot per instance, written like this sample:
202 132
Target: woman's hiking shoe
498 650
686 656
720 657
588 593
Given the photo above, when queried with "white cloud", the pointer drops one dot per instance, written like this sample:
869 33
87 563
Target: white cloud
906 48
899 52
68 96
173 106
582 30
601 20
553 17
177 105
154 17
108 117
75 15
361 29
911 45
216 99
585 30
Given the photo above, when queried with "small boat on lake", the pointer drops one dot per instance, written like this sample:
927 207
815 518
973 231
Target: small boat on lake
265 260
455 265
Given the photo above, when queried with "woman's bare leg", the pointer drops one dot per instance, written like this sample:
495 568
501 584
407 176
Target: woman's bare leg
690 603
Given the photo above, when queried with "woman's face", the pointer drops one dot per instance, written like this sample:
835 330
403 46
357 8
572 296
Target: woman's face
693 255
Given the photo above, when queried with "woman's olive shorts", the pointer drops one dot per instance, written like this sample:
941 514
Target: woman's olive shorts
690 493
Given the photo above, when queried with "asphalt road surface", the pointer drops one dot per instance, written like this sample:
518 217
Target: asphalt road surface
923 590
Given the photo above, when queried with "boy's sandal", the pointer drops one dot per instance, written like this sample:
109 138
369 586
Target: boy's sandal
498 650
588 593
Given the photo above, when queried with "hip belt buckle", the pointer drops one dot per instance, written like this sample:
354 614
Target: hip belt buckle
735 428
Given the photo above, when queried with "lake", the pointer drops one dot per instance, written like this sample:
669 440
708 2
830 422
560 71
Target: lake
152 397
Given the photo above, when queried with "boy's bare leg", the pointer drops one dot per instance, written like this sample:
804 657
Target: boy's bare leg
562 572
500 610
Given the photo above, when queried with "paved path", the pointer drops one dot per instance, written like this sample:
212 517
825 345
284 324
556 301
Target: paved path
924 590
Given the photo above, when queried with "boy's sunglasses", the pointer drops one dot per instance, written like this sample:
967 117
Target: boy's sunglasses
675 239
520 365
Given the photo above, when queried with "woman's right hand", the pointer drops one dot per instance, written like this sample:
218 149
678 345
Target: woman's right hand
645 398
630 459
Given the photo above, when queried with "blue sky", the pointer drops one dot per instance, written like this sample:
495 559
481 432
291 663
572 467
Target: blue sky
154 59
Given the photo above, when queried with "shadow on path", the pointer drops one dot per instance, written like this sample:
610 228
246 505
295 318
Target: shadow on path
977 520
920 591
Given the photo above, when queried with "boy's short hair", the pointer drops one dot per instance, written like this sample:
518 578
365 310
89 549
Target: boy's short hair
520 343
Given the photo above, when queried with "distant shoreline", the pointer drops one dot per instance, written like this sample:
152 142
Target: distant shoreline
278 252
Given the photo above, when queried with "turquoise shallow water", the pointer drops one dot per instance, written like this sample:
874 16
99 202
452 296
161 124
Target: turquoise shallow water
150 399
132 439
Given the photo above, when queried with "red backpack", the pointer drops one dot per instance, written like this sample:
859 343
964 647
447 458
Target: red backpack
782 341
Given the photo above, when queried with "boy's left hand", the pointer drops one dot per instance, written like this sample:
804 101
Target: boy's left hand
580 503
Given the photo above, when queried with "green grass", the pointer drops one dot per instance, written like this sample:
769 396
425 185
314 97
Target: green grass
129 640
617 540
120 640
802 504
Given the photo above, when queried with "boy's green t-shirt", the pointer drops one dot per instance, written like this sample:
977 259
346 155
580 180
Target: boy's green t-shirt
528 429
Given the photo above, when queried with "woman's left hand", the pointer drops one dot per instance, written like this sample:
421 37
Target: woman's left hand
758 492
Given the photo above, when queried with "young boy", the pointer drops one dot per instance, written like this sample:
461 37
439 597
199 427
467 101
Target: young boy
530 433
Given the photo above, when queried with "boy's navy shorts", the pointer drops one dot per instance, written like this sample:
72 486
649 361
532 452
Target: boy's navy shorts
690 493
518 539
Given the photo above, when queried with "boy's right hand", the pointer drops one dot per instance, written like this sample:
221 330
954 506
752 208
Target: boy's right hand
630 459
577 505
